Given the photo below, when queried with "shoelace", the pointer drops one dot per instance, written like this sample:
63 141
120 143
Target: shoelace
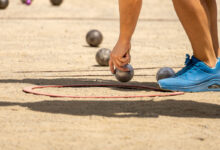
188 59
187 63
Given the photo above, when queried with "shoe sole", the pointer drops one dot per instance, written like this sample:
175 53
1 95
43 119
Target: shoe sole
211 85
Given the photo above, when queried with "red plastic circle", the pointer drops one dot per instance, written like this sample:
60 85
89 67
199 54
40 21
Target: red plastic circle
31 91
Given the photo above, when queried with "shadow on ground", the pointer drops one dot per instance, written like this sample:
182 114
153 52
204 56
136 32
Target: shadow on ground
119 108
70 81
122 108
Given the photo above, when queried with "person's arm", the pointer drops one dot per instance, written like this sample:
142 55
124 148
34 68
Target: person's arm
129 13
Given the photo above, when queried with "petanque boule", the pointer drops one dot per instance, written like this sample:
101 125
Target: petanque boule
4 4
165 72
94 38
103 56
124 76
56 2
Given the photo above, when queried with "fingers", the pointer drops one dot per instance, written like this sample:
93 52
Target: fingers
120 66
125 60
116 64
120 56
111 65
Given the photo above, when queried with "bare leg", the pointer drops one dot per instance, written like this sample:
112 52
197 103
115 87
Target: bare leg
212 11
196 22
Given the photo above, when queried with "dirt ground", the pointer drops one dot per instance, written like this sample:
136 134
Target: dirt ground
45 45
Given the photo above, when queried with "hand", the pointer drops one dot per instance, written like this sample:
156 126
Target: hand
120 56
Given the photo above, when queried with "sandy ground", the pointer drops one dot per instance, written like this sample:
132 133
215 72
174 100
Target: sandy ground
45 45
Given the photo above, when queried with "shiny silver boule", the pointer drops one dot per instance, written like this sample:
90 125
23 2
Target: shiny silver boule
124 76
165 72
4 4
94 38
103 56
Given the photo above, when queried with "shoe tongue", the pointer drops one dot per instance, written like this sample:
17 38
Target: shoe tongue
195 60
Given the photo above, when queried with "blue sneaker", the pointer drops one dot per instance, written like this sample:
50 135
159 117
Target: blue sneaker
196 76
188 64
